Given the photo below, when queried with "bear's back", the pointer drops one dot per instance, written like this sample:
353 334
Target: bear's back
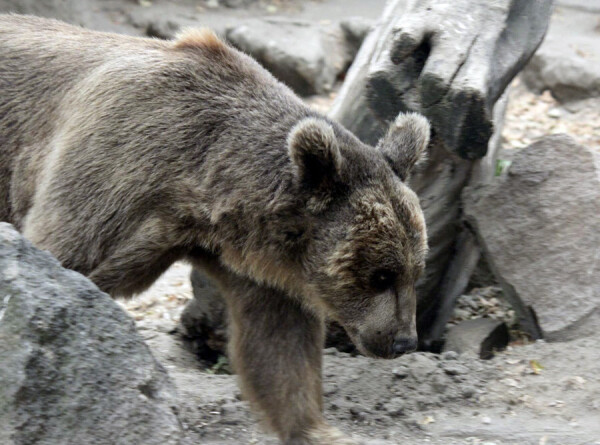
41 62
127 92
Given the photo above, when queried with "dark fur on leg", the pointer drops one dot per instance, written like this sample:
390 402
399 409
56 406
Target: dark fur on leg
276 348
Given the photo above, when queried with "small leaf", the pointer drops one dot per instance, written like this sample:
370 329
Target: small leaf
535 366
427 420
221 367
501 165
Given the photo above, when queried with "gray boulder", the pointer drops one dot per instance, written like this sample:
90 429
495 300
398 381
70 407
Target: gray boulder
479 337
539 227
307 57
568 62
74 370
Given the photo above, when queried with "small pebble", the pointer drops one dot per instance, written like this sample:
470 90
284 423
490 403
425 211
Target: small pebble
555 113
400 372
467 392
229 409
455 369
450 355
357 413
486 420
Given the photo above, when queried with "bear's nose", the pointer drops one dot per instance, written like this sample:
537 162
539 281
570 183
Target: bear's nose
403 345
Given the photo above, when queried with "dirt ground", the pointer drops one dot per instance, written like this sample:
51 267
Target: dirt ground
536 394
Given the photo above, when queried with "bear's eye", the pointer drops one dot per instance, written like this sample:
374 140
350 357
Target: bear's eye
383 279
294 235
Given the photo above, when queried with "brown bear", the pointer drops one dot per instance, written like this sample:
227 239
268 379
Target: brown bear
121 155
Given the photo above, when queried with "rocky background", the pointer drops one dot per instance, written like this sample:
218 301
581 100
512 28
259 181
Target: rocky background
515 340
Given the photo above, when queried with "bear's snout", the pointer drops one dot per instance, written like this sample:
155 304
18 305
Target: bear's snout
404 345
386 346
377 346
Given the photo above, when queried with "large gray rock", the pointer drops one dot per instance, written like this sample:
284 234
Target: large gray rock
73 368
539 226
479 337
307 57
568 62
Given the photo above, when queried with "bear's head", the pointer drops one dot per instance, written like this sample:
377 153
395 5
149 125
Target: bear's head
365 240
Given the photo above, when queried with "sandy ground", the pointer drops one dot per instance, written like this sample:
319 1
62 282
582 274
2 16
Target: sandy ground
530 116
537 394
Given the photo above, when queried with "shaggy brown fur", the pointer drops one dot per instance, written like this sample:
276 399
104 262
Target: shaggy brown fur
121 155
199 38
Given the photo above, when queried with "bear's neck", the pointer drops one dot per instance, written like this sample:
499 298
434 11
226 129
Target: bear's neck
247 201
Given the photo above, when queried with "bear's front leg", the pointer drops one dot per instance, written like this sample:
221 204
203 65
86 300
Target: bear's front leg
276 348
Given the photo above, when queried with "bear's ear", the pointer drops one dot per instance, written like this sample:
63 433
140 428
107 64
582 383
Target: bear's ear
314 150
405 143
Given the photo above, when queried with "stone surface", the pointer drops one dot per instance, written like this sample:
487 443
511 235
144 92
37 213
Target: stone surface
305 56
74 370
568 63
479 337
539 227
